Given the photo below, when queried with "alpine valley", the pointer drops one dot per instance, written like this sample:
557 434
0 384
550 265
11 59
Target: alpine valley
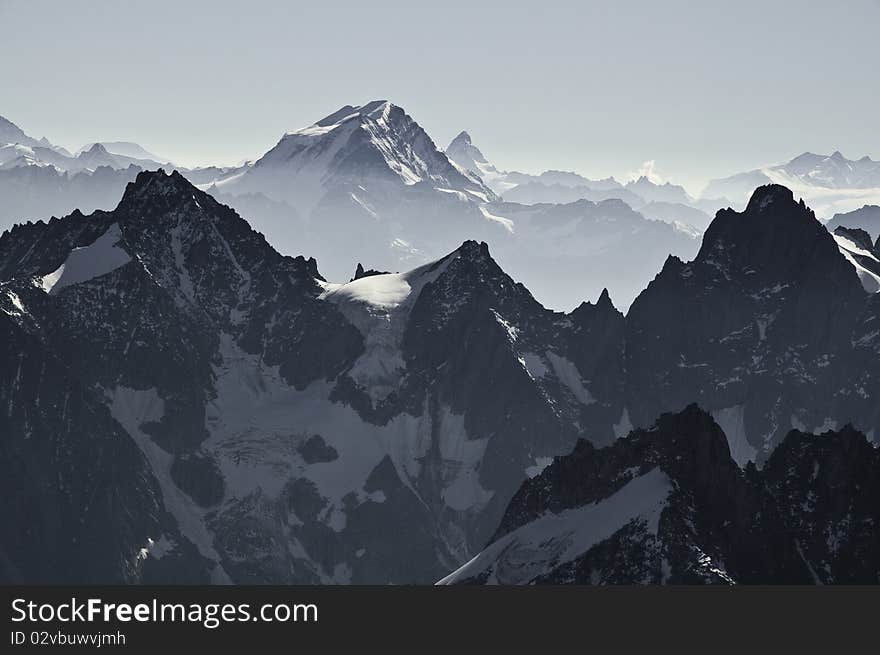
184 398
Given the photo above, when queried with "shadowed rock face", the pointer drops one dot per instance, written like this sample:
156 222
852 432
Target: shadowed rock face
808 517
762 323
81 496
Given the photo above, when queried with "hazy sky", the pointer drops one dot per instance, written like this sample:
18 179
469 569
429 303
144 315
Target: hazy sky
704 89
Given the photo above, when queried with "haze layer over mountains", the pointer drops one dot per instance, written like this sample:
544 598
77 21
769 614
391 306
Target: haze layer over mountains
367 184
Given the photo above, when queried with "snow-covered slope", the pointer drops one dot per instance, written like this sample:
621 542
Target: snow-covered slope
556 540
85 263
374 144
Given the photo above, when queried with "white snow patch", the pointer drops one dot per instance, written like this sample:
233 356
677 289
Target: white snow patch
132 408
624 426
534 365
16 303
512 330
257 423
461 459
381 291
731 421
568 374
157 548
554 539
797 423
505 222
540 464
378 306
461 195
102 256
826 425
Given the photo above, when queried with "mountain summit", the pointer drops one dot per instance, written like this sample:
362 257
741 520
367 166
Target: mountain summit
368 147
755 329
466 155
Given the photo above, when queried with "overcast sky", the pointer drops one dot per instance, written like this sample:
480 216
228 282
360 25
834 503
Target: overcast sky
703 89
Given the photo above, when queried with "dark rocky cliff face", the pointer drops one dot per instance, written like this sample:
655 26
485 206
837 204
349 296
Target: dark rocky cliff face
81 503
760 324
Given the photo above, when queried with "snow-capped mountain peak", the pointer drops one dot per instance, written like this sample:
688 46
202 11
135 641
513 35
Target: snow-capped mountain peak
368 147
467 156
464 153
375 110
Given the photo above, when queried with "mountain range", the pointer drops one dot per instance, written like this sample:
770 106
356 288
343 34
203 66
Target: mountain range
183 403
367 184
831 183
668 202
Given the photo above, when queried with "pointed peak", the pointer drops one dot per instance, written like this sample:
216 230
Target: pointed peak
360 272
463 138
587 312
836 155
